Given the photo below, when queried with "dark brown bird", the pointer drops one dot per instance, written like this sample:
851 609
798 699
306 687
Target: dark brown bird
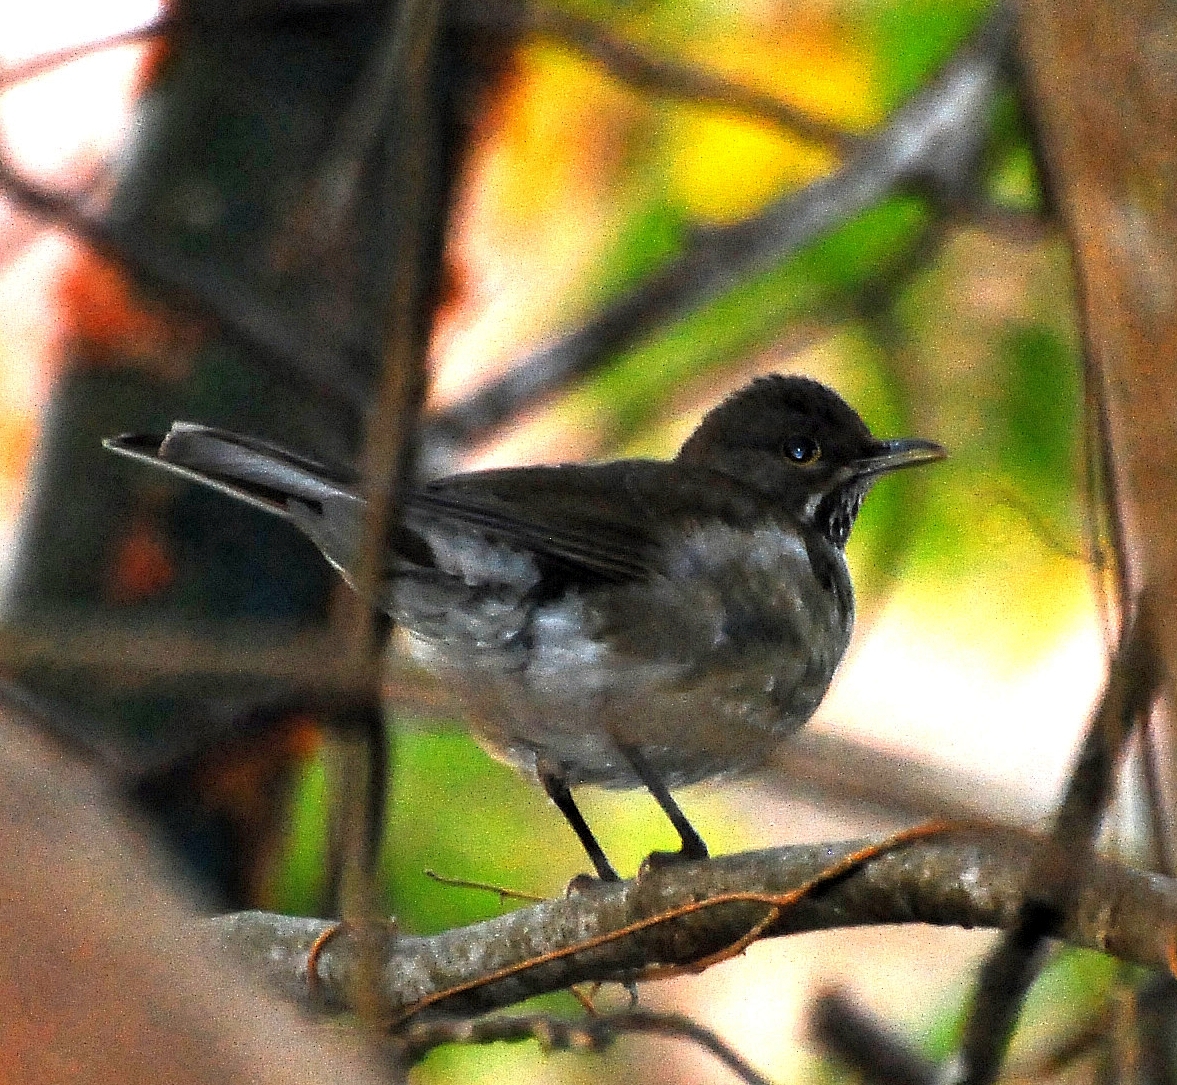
627 623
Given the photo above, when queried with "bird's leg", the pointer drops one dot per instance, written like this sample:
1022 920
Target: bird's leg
693 847
556 785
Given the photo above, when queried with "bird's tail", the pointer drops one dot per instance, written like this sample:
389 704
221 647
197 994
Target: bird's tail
251 470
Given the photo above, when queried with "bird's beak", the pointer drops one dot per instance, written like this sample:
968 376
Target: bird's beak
904 452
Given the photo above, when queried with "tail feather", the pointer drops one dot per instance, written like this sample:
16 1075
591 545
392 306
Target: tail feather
251 470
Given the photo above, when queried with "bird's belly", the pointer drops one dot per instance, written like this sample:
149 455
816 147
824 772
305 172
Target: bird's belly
705 668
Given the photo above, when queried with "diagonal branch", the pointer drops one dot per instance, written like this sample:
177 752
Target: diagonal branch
1058 869
866 1044
934 140
22 72
590 1033
281 337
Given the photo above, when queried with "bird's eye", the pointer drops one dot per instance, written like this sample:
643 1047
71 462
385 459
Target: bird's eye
802 450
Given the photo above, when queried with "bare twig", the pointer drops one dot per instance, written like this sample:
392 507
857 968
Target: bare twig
390 439
282 338
555 1034
1058 870
933 140
668 78
13 74
1049 535
501 891
400 70
975 879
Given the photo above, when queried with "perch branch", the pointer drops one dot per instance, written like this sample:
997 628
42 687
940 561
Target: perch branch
967 878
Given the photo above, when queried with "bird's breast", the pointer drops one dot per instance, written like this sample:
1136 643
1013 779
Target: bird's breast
728 646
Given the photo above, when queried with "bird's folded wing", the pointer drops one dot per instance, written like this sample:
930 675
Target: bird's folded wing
584 521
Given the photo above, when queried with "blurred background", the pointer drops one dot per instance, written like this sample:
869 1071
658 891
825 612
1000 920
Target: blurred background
981 638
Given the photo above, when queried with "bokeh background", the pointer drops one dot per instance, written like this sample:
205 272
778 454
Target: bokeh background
981 642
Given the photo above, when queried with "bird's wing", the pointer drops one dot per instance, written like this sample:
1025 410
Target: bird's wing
586 522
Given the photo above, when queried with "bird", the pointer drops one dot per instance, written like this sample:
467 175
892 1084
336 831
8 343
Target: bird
634 623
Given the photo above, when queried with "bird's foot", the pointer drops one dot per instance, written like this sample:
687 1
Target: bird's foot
692 851
584 883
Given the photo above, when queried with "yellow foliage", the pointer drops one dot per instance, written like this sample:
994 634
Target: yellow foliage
559 139
723 167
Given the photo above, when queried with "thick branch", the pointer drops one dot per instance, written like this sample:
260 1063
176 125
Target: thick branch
965 878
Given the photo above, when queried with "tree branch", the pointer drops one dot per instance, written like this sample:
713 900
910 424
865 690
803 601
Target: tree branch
23 71
555 1034
866 1044
616 932
1057 870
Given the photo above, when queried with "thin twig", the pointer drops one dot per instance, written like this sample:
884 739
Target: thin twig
11 75
282 338
556 1034
668 78
1102 507
1046 533
400 71
390 438
501 891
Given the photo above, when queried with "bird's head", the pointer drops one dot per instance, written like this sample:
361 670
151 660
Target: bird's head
800 442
